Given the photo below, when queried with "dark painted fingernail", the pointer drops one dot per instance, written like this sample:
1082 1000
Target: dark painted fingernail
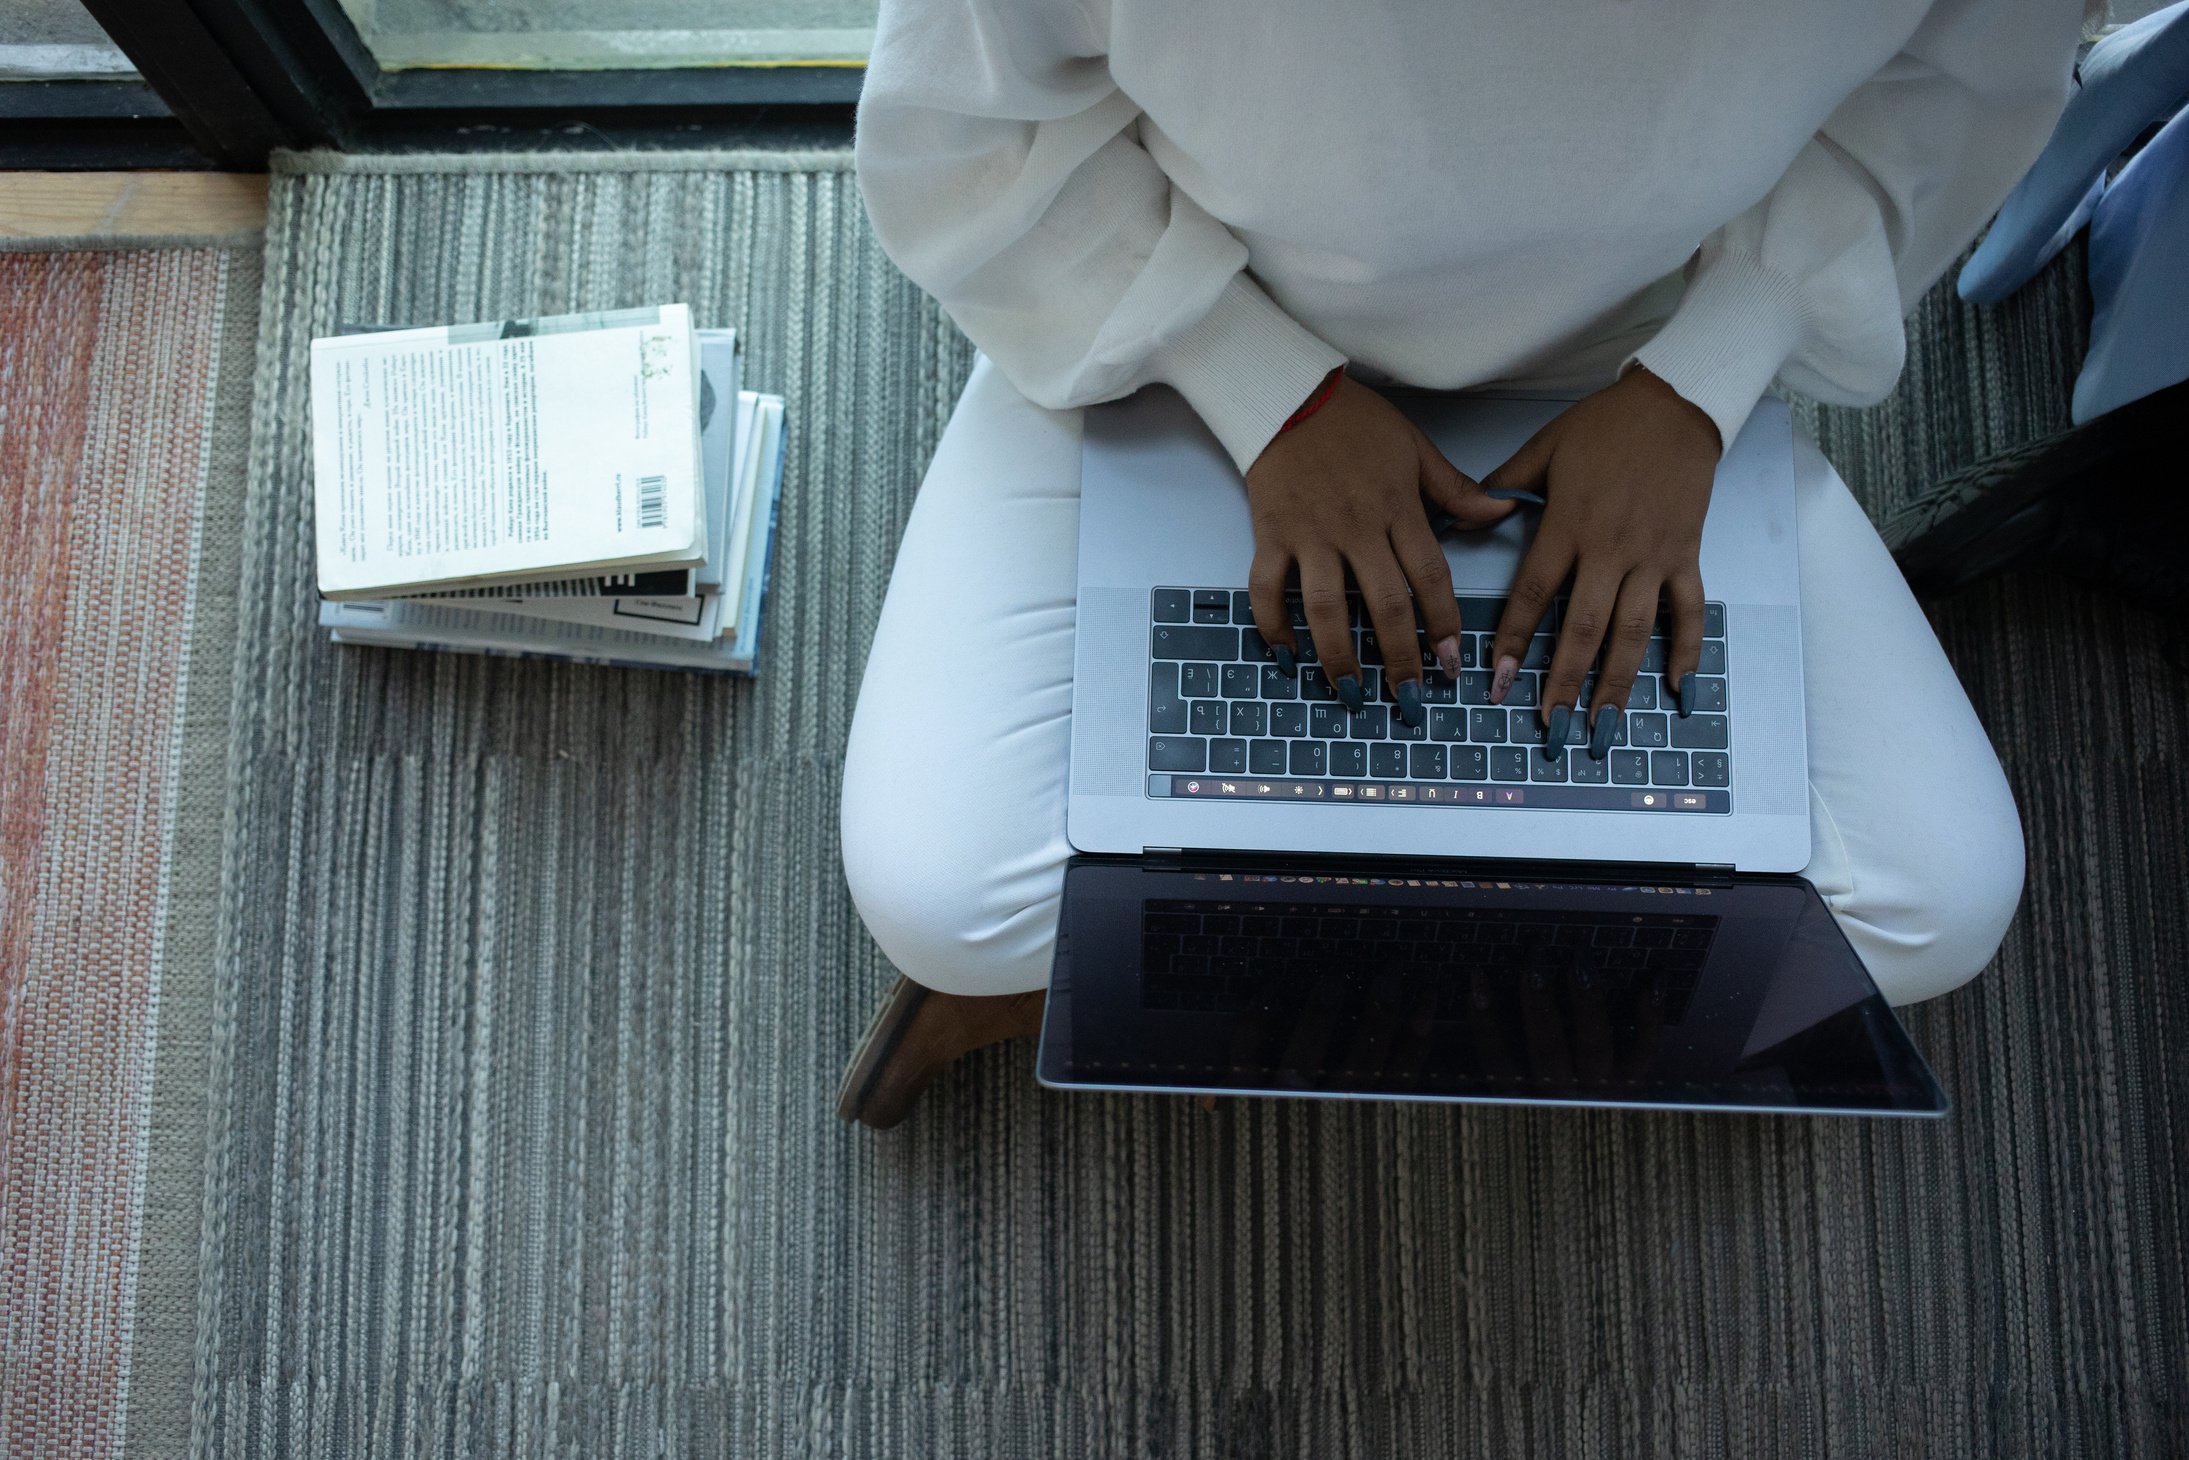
1285 662
1607 726
1349 693
1515 494
1687 694
1408 694
1554 739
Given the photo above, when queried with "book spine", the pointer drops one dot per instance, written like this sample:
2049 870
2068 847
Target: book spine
767 551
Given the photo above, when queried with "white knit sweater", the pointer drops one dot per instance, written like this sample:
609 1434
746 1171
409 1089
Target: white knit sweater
1232 196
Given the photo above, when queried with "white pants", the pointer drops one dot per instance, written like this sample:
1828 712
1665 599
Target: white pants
954 779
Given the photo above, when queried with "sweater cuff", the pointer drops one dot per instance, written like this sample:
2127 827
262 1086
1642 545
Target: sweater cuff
1736 325
1245 367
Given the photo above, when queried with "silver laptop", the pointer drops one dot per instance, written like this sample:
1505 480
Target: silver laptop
1162 513
1416 898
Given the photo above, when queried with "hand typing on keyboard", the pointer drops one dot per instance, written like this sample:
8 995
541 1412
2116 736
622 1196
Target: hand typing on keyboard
1345 489
1627 475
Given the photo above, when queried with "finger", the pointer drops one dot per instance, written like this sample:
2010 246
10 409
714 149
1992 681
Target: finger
1542 572
1391 613
1685 589
1266 592
1322 594
1580 635
1631 621
1526 468
1458 496
1421 556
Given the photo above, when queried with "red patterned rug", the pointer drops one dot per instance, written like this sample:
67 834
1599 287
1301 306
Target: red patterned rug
125 383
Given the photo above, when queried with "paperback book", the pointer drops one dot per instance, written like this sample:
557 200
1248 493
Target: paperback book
595 603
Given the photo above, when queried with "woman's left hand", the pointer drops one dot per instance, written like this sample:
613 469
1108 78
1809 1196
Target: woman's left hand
1626 474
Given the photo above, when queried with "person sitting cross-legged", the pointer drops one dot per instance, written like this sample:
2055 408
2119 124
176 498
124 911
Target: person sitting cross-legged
1277 207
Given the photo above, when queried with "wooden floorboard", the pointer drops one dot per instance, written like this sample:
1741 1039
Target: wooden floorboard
47 205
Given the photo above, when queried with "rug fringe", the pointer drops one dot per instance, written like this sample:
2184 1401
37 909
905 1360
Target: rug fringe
741 159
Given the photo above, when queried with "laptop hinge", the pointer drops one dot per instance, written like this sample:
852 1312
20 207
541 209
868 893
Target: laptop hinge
1716 874
1163 859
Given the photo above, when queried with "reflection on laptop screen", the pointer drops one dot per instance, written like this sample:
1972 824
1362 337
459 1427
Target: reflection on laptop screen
1583 996
1742 996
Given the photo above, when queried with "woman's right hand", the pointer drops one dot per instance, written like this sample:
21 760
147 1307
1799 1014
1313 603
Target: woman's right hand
1347 488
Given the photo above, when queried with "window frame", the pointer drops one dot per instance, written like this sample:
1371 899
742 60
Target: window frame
225 82
107 125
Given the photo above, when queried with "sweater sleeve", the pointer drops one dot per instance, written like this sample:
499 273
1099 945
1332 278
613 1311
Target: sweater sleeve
1810 285
1003 173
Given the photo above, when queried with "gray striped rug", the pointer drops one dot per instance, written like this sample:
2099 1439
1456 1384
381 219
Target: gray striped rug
536 980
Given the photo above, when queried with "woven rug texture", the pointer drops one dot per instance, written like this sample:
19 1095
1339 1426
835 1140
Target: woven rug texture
125 390
533 983
1978 382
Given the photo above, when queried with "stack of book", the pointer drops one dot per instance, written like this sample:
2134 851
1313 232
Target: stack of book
592 487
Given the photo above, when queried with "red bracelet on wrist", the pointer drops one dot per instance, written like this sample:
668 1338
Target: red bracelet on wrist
1314 402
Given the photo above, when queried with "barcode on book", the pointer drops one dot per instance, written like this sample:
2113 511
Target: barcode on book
653 501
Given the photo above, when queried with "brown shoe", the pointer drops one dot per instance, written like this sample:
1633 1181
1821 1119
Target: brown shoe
914 1035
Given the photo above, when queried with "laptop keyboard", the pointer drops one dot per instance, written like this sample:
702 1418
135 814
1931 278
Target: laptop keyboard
1219 956
1224 724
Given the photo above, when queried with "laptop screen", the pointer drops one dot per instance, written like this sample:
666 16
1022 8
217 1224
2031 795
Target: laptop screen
1442 985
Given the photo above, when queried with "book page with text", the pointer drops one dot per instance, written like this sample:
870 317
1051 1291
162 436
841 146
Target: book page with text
477 451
